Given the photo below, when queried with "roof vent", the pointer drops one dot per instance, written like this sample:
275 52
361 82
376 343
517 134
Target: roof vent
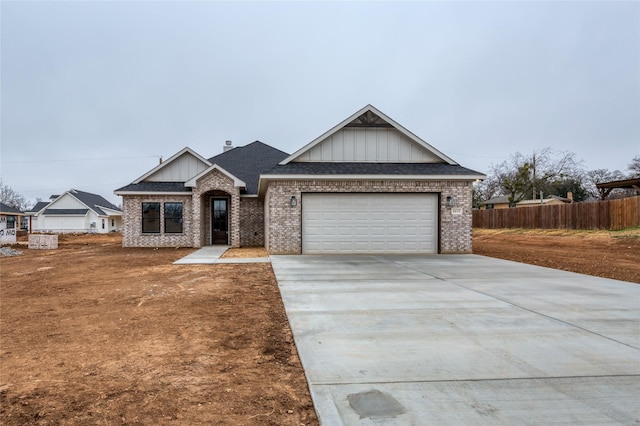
227 146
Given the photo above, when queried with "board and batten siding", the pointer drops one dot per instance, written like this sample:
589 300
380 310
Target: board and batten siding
66 202
375 145
181 169
66 223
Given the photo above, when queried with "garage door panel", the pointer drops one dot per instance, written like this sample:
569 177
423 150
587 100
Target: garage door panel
369 223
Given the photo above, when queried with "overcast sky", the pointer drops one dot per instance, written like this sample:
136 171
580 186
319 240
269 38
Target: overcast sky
93 93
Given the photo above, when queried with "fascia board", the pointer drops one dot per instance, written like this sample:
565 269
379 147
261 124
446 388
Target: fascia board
375 177
236 182
352 117
171 159
412 136
264 179
108 211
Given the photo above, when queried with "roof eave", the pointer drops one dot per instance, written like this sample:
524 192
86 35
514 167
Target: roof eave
152 193
264 179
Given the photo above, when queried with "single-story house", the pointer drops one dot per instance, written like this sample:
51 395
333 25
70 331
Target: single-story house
501 202
367 185
9 223
550 201
75 211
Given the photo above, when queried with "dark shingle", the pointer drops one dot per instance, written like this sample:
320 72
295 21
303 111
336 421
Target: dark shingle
155 187
249 162
39 206
93 201
6 209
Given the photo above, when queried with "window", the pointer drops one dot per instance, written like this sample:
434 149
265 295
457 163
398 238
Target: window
102 223
150 218
11 222
173 218
113 223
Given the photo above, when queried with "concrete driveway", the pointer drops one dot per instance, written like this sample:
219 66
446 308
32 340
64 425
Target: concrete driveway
462 339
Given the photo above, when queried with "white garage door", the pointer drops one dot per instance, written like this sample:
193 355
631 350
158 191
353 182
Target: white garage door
369 223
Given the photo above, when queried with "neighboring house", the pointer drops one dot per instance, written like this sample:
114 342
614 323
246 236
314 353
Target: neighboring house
9 223
501 202
75 211
367 185
552 200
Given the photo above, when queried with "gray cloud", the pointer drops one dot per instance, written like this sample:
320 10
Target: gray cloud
123 80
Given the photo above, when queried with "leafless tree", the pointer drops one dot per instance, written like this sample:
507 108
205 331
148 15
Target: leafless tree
11 198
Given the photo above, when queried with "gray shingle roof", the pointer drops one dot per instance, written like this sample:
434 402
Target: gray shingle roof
249 161
371 169
6 209
155 187
93 201
39 206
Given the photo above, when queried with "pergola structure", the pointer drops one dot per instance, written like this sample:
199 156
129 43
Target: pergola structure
605 188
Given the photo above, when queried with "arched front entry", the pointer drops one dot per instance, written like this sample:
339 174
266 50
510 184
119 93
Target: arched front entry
216 212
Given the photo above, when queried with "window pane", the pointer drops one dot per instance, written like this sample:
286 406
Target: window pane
150 218
173 218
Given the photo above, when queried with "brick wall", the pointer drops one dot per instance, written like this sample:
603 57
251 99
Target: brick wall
196 215
251 222
284 223
132 235
209 186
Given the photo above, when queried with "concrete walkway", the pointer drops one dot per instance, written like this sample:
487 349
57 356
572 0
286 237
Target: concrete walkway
210 255
462 339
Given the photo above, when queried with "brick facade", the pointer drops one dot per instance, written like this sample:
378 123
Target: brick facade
251 222
196 215
251 217
284 223
132 235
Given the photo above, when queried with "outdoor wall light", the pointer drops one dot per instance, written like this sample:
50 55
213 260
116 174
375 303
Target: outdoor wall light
450 201
294 201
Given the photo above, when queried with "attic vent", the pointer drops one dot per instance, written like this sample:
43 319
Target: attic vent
369 119
227 146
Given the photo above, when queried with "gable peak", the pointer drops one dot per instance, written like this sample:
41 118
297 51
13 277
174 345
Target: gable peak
369 119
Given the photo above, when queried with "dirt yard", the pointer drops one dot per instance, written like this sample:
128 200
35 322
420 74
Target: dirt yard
609 254
92 333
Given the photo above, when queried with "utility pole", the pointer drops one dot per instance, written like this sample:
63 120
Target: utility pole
533 190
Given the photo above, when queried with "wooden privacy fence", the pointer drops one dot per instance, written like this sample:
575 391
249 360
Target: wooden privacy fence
610 214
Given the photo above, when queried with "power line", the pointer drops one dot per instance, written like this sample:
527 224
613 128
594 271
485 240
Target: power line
78 159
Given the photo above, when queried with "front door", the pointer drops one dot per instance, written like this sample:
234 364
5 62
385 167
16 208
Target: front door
219 221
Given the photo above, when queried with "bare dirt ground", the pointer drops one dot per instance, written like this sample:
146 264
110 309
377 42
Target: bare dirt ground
92 333
609 254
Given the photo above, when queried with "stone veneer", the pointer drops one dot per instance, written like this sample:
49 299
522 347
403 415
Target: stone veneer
284 223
